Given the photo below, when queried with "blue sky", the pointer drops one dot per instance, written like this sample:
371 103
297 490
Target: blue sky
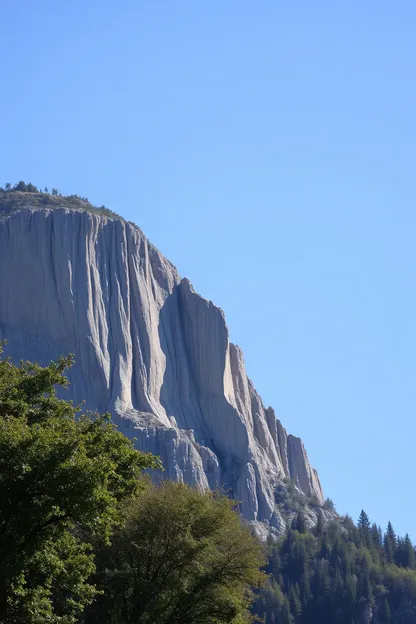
268 149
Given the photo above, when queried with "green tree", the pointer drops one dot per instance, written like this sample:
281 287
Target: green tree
31 188
390 532
320 525
294 601
55 191
299 522
376 536
20 186
364 529
405 553
285 615
363 521
385 612
181 557
390 543
62 478
7 186
269 602
350 589
329 504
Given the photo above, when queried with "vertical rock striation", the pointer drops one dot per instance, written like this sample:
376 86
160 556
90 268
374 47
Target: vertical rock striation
148 349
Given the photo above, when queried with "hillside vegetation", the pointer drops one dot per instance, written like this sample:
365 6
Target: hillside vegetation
339 573
22 195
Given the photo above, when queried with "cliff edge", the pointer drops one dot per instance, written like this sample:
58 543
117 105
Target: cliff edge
148 349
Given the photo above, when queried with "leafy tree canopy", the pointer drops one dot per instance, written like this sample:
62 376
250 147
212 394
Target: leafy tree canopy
63 477
181 557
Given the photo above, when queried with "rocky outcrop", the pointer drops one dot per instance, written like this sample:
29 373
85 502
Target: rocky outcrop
148 349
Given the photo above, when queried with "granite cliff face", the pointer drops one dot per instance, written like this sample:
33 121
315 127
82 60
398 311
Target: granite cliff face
148 349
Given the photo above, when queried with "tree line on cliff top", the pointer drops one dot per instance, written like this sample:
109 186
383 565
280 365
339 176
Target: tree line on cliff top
16 196
22 187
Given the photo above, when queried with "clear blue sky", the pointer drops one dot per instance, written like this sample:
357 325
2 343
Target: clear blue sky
268 149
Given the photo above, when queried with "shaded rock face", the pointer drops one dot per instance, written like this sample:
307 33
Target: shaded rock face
148 349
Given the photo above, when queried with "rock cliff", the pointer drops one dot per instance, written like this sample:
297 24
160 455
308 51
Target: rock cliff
148 349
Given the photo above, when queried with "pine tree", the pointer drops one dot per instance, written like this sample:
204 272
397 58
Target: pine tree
391 532
295 602
365 589
399 554
274 560
299 523
376 536
364 521
319 528
385 612
389 549
285 616
364 529
337 589
409 560
305 587
350 589
390 544
325 550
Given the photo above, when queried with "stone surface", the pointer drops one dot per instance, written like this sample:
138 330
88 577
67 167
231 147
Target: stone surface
148 349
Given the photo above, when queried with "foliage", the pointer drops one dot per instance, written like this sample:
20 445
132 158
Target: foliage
339 573
329 504
22 195
289 498
62 481
181 557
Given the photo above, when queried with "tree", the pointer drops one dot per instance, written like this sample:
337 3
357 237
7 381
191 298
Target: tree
409 553
364 522
62 480
338 578
390 532
320 526
299 523
7 186
55 191
364 528
385 612
285 616
31 188
390 543
20 186
294 601
269 602
329 504
180 557
405 554
376 536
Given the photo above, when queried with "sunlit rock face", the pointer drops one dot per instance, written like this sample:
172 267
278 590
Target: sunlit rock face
148 349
